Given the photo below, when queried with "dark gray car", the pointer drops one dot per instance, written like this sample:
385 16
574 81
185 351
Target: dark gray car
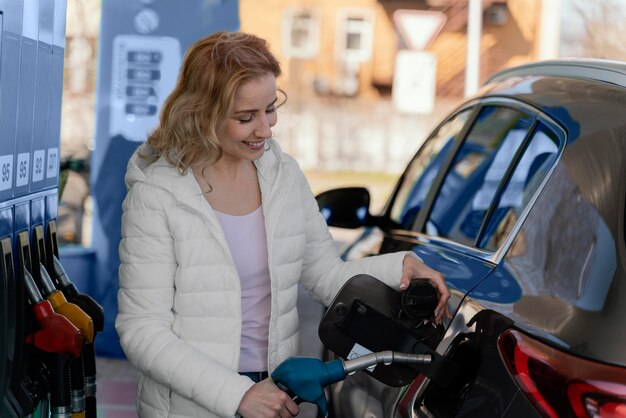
518 197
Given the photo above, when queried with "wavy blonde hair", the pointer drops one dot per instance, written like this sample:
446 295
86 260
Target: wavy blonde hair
195 113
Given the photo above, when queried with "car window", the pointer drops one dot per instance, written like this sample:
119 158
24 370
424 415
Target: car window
423 169
476 172
537 158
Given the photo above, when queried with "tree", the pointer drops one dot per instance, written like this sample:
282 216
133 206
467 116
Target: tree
594 29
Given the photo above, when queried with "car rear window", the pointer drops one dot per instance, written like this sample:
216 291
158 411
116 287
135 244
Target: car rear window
538 156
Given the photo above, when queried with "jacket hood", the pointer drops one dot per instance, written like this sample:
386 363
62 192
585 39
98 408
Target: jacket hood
161 173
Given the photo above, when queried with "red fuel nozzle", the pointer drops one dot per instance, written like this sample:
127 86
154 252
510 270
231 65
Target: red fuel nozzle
56 334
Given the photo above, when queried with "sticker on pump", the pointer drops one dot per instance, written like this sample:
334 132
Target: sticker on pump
52 168
144 72
6 178
359 351
38 165
23 165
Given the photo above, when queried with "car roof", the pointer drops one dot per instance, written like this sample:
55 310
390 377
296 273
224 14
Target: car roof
608 71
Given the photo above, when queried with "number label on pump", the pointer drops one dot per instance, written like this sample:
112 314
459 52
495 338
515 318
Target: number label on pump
23 163
53 163
38 165
6 174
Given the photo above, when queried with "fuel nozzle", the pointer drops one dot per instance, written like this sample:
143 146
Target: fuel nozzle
71 311
59 272
56 334
304 378
84 301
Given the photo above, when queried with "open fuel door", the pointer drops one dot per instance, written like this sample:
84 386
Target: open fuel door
369 316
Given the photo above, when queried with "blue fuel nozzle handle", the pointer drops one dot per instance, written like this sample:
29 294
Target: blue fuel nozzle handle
306 378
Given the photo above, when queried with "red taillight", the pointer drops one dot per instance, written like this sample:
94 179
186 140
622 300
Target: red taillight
563 385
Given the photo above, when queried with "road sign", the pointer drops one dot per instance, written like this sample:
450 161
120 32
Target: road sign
414 82
418 28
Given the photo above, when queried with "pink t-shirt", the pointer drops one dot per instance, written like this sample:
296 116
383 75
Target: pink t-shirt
248 245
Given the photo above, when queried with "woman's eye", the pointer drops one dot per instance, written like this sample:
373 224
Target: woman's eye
246 119
270 110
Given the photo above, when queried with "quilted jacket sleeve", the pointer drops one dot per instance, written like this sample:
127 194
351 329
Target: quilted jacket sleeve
145 299
323 271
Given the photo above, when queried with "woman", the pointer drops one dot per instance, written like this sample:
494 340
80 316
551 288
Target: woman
218 228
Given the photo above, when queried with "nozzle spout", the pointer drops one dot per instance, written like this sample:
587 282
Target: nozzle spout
386 357
59 272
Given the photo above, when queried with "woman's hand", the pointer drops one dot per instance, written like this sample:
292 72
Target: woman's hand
266 400
413 268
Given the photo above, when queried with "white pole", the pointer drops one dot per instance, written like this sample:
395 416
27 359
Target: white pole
474 29
550 30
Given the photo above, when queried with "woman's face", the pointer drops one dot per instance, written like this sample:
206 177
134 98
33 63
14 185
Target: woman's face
254 114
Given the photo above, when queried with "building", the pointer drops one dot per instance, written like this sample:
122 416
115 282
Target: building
349 47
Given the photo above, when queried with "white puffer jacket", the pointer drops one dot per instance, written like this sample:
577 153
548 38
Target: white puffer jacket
179 317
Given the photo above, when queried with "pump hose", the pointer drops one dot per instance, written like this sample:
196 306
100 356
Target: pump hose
78 384
89 351
60 399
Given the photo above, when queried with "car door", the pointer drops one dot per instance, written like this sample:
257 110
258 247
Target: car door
470 336
445 203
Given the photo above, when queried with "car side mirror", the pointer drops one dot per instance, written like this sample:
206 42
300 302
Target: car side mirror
346 207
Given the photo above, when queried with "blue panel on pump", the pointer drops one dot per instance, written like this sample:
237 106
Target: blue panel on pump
140 50
52 207
42 89
56 93
11 29
37 211
22 217
26 96
6 222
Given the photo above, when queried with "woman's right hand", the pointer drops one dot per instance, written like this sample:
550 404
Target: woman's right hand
266 400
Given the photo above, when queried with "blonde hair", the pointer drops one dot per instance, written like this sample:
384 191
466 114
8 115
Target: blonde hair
195 113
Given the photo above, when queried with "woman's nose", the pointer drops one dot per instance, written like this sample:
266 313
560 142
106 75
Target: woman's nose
264 128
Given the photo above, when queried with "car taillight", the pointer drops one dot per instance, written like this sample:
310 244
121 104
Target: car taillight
560 384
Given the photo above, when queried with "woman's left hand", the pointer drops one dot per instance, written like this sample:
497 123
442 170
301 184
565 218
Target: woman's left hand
413 268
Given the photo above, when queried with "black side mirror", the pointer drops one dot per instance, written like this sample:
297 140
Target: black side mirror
346 207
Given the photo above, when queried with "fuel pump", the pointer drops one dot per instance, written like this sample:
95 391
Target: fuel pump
58 337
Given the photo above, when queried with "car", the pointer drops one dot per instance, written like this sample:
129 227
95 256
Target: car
519 198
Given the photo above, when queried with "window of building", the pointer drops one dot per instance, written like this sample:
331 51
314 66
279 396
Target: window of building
354 35
301 34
